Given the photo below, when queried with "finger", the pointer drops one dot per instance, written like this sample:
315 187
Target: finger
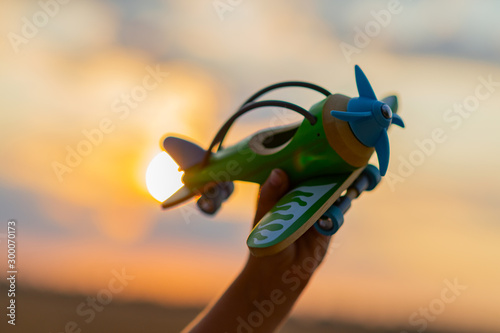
271 191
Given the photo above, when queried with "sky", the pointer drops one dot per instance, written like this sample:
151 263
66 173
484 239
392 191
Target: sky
431 222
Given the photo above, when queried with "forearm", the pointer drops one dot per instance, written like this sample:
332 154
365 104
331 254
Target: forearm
257 300
263 294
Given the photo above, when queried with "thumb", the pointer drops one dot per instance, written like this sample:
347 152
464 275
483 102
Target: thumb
271 191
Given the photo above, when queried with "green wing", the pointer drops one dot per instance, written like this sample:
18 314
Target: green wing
296 212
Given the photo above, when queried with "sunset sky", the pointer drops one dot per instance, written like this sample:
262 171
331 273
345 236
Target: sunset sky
435 217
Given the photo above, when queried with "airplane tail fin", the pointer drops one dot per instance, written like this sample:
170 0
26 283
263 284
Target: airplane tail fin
186 154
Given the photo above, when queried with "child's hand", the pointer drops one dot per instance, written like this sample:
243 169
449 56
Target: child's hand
310 248
263 294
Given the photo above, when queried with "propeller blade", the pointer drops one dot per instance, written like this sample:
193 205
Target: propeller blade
364 86
383 152
392 101
350 116
397 120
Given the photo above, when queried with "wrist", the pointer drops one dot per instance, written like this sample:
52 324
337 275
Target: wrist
288 279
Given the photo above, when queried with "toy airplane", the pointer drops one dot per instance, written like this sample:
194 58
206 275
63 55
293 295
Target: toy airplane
324 155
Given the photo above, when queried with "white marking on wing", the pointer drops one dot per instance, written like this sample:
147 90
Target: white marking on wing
292 208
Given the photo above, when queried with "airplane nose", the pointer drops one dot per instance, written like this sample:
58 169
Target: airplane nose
386 111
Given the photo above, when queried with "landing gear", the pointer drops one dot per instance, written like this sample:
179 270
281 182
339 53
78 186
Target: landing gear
212 199
333 218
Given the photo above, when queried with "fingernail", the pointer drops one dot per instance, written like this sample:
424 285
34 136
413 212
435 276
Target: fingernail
275 178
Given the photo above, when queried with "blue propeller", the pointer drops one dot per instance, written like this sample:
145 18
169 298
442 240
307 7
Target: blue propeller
369 119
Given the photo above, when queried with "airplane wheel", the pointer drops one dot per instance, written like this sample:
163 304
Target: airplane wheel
207 205
330 222
210 201
373 175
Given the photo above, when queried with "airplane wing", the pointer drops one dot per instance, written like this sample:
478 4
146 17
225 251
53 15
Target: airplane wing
296 212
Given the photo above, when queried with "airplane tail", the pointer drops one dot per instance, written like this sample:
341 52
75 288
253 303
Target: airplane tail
187 154
182 194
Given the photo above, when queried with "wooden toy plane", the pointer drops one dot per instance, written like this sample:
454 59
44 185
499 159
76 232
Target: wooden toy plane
324 155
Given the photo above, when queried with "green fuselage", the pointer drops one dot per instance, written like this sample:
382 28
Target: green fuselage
306 156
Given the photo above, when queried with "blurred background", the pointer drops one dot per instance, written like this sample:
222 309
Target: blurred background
88 88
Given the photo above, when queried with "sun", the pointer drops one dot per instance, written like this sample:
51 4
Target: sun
163 177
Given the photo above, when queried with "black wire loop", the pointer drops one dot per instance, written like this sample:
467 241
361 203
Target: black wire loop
249 105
